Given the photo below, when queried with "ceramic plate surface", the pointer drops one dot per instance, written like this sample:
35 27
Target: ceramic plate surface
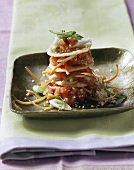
105 60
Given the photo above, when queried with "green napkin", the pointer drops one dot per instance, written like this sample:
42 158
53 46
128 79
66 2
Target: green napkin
106 22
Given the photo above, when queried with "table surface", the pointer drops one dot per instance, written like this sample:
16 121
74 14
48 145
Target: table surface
5 28
6 8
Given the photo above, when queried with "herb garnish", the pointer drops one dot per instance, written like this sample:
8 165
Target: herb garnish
64 34
110 93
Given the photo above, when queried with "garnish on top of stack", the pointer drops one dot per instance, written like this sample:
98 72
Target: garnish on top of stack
68 79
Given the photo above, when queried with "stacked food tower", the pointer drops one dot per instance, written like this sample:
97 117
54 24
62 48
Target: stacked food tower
69 81
69 73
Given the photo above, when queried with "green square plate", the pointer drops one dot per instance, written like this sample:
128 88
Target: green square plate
105 60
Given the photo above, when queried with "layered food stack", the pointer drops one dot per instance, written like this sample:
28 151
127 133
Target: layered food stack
69 81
